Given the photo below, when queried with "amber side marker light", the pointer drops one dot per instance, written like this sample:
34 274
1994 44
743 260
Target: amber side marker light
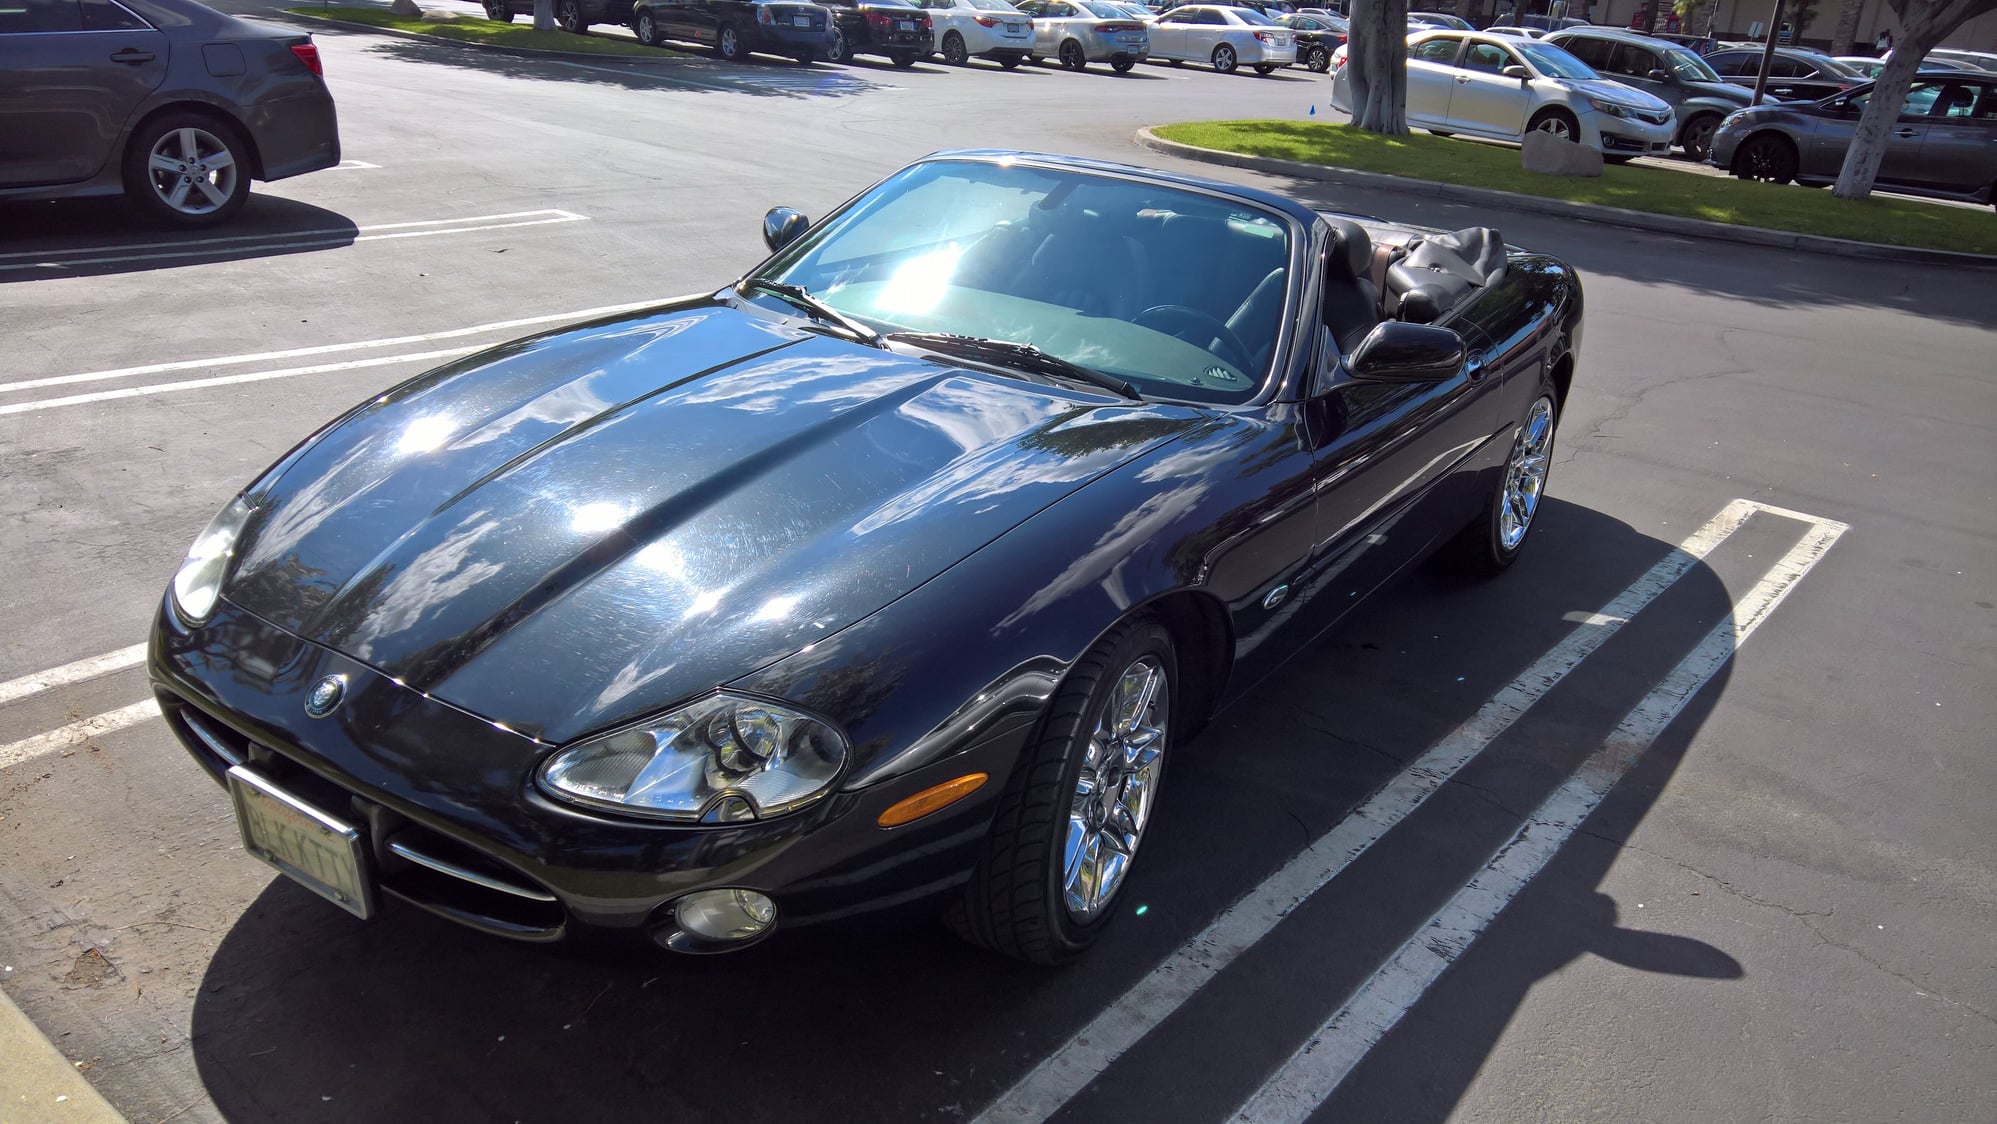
912 808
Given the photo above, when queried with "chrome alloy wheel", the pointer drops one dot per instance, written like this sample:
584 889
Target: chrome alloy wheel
192 171
1525 474
1557 125
1116 787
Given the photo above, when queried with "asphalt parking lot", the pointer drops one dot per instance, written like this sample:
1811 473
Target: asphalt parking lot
1686 818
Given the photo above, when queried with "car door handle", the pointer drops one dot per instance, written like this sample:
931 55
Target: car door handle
1463 78
1906 132
1473 368
132 56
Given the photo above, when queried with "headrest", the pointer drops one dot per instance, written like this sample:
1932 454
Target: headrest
1352 248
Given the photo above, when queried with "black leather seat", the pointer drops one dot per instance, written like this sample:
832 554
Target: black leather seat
1351 303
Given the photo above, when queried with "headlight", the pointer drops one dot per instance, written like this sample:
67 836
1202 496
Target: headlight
198 582
1734 118
1610 108
723 759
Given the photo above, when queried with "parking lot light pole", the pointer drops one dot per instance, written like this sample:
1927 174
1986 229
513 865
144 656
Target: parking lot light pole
1768 52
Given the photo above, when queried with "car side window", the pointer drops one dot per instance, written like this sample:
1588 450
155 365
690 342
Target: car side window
1923 99
1631 59
40 15
103 15
1213 18
1986 104
1731 66
1958 102
1787 68
1594 52
1435 50
1488 58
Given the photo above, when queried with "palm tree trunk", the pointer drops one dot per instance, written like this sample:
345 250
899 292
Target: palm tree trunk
1847 27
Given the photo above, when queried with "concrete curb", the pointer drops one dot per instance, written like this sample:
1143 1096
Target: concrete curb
1587 212
492 48
37 1084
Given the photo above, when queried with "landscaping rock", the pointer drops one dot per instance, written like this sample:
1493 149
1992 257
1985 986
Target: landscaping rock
1550 156
406 8
439 15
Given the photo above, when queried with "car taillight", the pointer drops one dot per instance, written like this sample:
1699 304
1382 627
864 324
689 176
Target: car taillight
925 21
985 21
881 19
308 53
1111 28
1265 37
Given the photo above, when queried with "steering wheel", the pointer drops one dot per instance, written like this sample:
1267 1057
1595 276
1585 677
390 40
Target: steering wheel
1176 320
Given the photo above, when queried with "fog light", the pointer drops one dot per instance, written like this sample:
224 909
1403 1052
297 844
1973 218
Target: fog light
708 920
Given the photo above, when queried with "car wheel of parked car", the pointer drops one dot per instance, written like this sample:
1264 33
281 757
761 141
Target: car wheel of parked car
569 17
1558 122
647 29
498 11
728 44
188 169
1122 66
954 52
1011 62
1766 156
1617 159
1073 814
1072 56
1439 133
805 58
1493 542
838 52
903 59
1318 60
1177 62
1264 70
1223 59
1697 137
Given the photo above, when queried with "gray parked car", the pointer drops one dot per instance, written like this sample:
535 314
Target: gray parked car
1944 144
172 103
1666 71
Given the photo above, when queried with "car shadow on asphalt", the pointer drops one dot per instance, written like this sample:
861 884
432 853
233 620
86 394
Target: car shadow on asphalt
97 237
305 1013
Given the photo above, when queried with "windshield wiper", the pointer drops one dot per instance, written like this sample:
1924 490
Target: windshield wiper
1022 356
799 297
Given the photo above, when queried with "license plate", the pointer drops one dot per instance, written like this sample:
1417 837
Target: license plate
905 25
801 21
1015 27
312 848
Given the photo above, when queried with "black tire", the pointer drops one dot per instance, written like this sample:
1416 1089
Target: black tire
1177 62
569 17
1559 122
903 59
728 44
805 58
1224 59
838 51
954 51
1617 159
646 29
498 11
1766 156
1481 549
1264 70
1072 56
1122 66
1696 138
153 191
1014 903
1439 133
1011 62
1317 60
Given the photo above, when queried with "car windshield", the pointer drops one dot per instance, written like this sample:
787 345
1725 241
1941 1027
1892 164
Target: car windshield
1551 60
1181 293
1688 67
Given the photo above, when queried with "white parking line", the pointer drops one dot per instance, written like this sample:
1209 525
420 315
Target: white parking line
76 733
1314 1072
228 380
327 349
286 240
1080 1060
68 673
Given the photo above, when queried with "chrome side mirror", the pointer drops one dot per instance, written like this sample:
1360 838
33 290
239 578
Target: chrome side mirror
782 226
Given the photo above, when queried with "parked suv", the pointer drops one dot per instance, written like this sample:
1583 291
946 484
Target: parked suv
895 31
986 29
734 28
1666 71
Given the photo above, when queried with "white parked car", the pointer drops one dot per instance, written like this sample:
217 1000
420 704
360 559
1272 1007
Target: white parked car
1501 87
986 29
1079 32
1223 37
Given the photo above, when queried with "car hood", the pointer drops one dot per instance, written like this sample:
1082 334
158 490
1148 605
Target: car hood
1720 91
580 529
1616 92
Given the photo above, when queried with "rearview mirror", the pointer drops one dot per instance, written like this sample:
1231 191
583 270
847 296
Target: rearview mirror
1515 71
1395 351
782 226
1659 76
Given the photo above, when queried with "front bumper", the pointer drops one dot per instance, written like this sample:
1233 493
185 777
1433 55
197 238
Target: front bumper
1626 136
416 774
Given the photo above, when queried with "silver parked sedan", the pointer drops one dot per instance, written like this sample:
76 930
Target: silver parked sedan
1079 32
1223 36
172 103
1943 145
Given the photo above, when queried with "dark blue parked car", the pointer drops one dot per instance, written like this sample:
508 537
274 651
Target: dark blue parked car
736 28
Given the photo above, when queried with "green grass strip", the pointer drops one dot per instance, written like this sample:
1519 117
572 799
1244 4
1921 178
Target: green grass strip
471 29
1893 222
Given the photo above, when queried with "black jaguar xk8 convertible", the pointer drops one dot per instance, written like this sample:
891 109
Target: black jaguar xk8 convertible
895 571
